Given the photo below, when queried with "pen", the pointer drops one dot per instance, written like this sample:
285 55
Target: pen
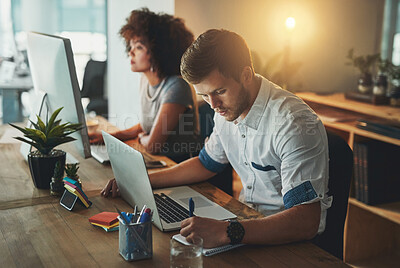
191 207
145 217
141 212
123 216
134 214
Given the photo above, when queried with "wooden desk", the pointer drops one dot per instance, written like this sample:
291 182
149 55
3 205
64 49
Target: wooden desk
35 231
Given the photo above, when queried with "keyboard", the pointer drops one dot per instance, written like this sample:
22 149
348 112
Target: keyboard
169 210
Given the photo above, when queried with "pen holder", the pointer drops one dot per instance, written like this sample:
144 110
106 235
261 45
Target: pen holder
135 240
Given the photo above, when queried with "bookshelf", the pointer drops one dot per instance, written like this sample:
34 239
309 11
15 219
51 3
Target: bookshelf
372 233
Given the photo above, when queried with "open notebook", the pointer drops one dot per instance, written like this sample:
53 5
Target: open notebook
207 251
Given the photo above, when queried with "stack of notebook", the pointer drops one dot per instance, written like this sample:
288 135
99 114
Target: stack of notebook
106 220
73 187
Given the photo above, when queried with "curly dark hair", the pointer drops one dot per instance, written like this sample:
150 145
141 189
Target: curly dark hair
165 36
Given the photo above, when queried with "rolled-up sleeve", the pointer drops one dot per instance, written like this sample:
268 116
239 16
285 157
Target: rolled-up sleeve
303 148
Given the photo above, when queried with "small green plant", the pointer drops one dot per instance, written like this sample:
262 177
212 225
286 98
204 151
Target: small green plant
385 66
72 171
45 137
394 72
58 170
364 64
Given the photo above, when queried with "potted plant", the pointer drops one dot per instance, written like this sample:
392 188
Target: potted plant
57 184
72 172
381 80
44 137
364 65
393 91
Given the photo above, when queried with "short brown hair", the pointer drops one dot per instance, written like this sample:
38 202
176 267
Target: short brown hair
165 36
221 49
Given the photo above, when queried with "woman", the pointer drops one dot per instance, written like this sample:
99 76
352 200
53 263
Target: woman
169 120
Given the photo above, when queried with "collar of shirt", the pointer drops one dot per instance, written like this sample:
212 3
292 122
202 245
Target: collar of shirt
253 118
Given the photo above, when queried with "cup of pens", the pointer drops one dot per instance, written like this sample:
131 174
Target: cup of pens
135 236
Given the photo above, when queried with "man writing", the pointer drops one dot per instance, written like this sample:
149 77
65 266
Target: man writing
273 140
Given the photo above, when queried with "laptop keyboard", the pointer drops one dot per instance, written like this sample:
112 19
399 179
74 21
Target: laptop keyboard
169 210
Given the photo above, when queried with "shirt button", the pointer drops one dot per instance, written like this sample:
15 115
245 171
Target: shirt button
249 187
243 136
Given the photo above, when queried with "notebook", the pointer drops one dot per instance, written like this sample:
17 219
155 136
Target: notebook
133 182
207 251
105 218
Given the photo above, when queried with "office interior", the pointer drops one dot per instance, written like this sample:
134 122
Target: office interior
302 44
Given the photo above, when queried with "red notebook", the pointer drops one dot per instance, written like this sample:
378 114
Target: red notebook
105 218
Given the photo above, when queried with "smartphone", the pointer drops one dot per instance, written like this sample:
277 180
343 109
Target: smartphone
155 164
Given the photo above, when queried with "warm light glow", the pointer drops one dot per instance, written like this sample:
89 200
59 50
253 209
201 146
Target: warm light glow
290 23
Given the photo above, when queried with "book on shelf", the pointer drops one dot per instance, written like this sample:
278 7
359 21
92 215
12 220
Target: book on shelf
367 98
376 172
356 173
385 128
365 175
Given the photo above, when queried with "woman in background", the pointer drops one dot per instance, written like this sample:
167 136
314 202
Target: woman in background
169 119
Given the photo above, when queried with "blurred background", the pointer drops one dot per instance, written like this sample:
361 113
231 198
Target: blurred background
299 44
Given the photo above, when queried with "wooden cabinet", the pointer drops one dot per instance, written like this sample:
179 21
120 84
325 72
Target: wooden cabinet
372 233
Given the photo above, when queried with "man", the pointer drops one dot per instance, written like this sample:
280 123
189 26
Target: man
273 140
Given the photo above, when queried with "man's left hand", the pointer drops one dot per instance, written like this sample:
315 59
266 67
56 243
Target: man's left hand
212 231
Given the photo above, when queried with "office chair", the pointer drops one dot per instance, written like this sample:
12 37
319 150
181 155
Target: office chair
93 87
340 173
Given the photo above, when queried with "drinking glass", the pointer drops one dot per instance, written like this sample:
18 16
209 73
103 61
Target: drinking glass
183 256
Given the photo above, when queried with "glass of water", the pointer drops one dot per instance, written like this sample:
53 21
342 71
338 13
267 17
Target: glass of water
183 256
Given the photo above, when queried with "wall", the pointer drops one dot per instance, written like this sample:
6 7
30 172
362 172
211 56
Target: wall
324 32
39 15
122 84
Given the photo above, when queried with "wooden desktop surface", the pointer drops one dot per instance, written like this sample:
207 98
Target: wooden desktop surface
35 231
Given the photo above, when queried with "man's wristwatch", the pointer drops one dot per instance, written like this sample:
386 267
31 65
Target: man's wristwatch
235 232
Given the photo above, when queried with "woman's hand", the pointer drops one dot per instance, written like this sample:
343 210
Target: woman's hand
111 187
143 139
96 138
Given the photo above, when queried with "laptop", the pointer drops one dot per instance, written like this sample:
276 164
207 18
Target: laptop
134 185
99 152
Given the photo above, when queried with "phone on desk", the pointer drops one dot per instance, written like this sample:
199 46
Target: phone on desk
155 164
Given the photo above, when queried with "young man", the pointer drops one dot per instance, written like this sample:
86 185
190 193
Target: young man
273 140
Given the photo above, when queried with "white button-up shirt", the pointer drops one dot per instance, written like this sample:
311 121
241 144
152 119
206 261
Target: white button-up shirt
279 150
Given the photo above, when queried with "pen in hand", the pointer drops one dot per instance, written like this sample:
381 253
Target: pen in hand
191 207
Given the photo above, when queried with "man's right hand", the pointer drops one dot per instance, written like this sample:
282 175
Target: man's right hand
96 138
111 187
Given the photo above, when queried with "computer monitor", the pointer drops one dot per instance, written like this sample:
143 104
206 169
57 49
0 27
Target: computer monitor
53 73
